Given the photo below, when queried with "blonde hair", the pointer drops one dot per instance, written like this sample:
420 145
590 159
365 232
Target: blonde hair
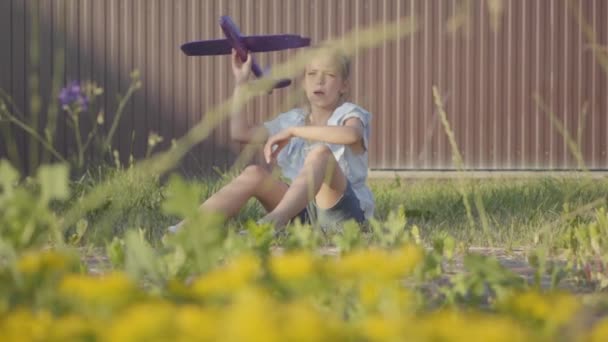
340 57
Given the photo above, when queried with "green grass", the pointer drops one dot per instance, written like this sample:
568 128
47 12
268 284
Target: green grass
518 210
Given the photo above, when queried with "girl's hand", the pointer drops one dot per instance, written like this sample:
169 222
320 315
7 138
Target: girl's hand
281 140
241 70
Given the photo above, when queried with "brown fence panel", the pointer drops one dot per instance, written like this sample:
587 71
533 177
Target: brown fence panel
487 75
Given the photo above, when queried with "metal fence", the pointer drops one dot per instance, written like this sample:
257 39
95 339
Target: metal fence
488 72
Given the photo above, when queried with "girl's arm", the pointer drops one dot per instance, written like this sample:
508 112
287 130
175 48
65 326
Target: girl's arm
351 133
239 129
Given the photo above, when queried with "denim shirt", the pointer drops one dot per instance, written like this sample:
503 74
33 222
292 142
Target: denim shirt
354 166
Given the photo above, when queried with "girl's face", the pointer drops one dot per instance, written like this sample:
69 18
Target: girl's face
323 82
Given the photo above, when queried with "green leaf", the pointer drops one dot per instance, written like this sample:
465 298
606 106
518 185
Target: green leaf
182 198
8 176
175 261
116 252
53 181
141 261
81 228
416 235
350 237
449 247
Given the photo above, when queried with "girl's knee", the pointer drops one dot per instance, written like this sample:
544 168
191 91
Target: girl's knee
319 151
255 171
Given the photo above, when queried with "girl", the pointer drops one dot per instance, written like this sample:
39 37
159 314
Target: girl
307 144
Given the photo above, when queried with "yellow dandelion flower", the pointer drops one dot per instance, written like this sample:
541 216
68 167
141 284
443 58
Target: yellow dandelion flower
292 266
251 317
301 322
492 328
370 293
460 326
386 297
552 308
25 325
229 278
599 332
377 263
404 260
73 328
32 263
110 290
357 264
196 324
150 321
378 328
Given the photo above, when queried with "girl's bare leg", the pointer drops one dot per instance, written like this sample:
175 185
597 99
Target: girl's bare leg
254 181
320 178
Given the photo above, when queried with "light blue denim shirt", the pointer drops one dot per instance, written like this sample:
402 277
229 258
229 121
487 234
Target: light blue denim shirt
354 166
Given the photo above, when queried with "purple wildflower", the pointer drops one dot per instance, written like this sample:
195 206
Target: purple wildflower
72 94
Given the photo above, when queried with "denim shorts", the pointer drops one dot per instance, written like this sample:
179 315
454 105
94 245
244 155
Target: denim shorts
347 208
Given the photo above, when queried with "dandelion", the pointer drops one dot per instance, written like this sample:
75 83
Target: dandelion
377 263
600 331
252 316
25 325
377 328
34 263
548 310
150 321
196 324
73 328
231 277
370 292
292 266
98 294
302 322
461 326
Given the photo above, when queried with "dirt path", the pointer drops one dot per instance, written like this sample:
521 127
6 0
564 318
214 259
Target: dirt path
515 260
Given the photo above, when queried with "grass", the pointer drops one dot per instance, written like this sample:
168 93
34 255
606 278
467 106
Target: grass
518 210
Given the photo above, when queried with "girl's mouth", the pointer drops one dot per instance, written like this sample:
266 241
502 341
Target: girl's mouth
319 92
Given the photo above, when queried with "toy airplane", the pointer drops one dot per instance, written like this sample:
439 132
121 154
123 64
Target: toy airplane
245 44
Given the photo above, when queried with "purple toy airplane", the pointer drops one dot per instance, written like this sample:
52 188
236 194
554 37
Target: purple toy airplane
245 44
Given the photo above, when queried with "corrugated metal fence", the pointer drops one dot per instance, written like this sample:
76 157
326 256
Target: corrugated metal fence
487 77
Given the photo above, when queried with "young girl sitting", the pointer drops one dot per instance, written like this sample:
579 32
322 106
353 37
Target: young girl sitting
307 144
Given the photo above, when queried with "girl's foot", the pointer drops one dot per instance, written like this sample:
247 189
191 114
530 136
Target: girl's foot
279 227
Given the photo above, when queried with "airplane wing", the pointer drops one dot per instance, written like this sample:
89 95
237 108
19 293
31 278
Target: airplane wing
252 43
207 47
274 42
